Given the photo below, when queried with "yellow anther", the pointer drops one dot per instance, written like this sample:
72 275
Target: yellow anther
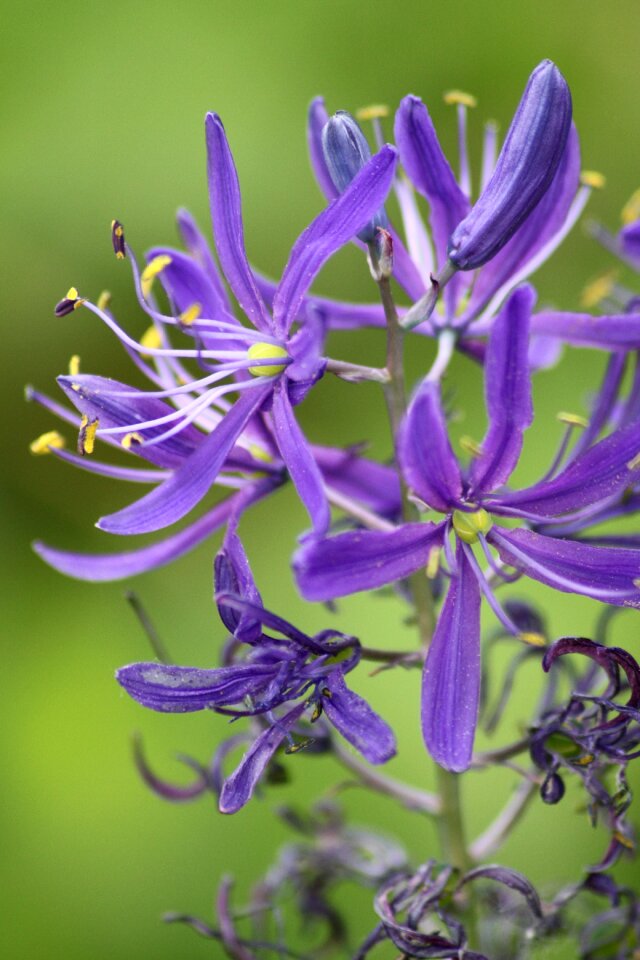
469 525
267 351
433 563
72 294
470 446
375 111
624 841
46 442
317 712
104 300
190 314
533 639
132 439
151 338
117 235
636 583
598 289
151 271
631 210
460 97
593 179
259 453
584 761
87 438
574 419
74 365
634 463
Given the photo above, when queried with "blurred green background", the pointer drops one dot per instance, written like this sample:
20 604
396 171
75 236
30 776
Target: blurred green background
101 113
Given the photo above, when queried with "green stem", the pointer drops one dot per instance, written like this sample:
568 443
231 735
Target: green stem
450 822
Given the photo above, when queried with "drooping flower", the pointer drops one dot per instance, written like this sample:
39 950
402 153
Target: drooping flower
265 675
471 500
201 438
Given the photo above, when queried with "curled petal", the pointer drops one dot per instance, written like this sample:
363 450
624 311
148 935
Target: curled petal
363 559
356 721
169 791
232 574
451 679
509 878
609 658
239 787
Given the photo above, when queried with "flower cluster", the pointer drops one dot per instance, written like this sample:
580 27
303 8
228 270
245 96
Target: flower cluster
230 354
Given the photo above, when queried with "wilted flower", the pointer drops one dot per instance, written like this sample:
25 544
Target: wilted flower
261 677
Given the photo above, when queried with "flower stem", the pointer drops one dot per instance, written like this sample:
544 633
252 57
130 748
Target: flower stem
450 822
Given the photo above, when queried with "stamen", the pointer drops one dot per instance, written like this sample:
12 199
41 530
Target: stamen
593 179
69 303
258 453
132 439
573 419
596 291
46 442
635 463
375 111
631 210
151 271
87 435
74 365
470 446
468 525
117 239
623 841
533 639
267 351
190 314
104 300
452 97
433 563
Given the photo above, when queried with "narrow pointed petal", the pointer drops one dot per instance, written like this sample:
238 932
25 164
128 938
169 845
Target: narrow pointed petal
198 247
607 574
507 392
337 315
614 332
171 689
428 462
317 117
297 455
603 472
116 566
187 283
363 559
232 574
526 166
334 227
226 213
422 157
538 229
239 787
604 404
94 397
451 679
357 722
173 499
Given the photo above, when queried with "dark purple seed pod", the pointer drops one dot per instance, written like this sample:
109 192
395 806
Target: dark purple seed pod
526 166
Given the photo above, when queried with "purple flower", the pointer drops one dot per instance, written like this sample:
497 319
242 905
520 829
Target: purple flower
265 675
199 438
471 499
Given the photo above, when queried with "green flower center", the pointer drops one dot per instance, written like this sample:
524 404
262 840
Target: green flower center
267 351
468 525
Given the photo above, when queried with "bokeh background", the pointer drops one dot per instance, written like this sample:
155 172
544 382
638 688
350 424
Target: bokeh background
101 114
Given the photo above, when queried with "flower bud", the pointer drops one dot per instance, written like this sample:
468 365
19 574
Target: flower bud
526 166
552 790
346 152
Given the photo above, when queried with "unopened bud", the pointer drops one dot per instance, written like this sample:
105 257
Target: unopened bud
526 166
381 254
346 152
552 790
